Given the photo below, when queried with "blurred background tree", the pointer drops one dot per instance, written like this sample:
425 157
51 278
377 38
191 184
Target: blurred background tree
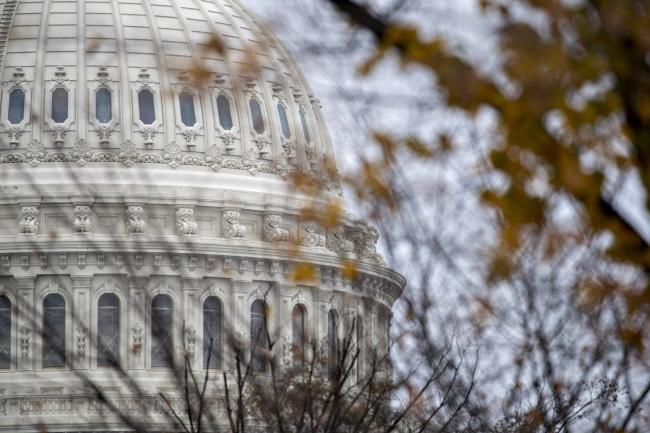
522 218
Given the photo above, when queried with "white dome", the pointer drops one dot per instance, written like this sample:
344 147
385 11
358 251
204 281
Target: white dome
160 47
119 178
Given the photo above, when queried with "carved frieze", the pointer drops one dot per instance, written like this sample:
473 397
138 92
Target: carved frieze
273 231
337 241
312 236
135 222
230 226
185 223
81 223
29 219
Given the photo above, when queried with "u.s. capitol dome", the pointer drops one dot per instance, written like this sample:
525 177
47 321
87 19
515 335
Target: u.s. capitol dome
133 197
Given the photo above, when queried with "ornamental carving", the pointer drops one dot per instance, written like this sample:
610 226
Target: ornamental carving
190 341
135 219
129 155
365 244
189 134
148 135
81 223
312 236
185 224
273 231
104 134
29 219
25 333
138 332
58 134
287 350
15 134
338 242
228 139
289 149
82 333
263 147
230 226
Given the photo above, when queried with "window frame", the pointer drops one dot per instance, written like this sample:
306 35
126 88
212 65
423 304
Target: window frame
267 326
222 322
295 361
120 339
54 289
150 333
197 129
13 339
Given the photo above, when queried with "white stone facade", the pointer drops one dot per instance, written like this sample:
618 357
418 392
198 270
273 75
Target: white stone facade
97 200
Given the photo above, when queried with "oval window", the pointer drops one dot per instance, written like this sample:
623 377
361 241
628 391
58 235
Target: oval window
256 114
16 106
225 117
284 122
305 129
59 105
188 115
146 107
103 105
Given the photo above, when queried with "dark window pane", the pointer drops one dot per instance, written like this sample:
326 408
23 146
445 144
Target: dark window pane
108 330
225 117
103 105
361 346
161 331
299 335
332 342
188 116
146 107
16 106
305 129
53 331
258 336
258 119
212 333
59 105
284 122
5 332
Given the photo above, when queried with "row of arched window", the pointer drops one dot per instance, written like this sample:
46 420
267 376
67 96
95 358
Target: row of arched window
162 332
147 110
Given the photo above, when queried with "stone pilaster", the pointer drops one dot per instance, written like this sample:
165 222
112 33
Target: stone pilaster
81 321
190 318
26 323
136 339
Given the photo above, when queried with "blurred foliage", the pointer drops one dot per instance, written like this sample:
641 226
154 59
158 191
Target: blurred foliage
573 119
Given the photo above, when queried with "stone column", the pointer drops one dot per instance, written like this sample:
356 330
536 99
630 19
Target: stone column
191 313
26 325
81 321
239 318
136 334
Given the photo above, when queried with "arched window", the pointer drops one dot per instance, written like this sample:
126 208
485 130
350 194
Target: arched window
332 342
162 342
212 333
256 114
305 128
146 107
5 332
284 122
53 331
103 105
299 334
59 105
108 330
16 106
225 116
258 336
188 115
